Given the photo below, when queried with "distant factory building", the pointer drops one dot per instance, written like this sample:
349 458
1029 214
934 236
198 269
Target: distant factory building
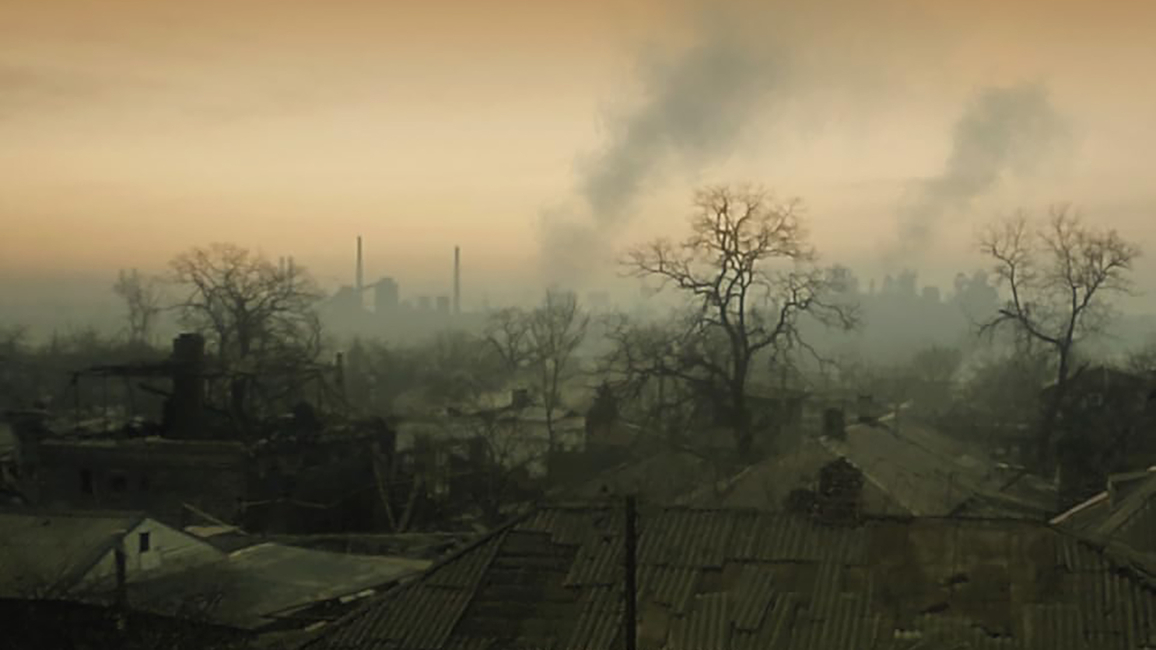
386 296
378 308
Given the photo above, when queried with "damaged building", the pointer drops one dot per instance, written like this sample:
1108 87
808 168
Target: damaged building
294 473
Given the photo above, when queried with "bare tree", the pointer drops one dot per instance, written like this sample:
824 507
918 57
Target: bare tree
508 332
142 297
261 320
456 367
742 307
650 368
1058 275
504 450
556 328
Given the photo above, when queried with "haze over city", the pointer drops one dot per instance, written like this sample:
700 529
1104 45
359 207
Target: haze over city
133 130
624 324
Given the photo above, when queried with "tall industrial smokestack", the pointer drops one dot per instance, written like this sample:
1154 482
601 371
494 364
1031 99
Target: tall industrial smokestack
457 280
358 279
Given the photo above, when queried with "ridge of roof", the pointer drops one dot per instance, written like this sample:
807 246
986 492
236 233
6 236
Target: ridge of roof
432 569
1128 507
69 581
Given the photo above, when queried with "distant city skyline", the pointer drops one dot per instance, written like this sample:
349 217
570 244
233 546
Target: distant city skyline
134 130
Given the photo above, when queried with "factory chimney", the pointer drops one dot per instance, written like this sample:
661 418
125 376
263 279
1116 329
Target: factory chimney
457 280
358 279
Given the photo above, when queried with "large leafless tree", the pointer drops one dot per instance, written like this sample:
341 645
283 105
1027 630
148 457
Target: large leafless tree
1059 275
508 334
556 328
143 298
750 276
260 320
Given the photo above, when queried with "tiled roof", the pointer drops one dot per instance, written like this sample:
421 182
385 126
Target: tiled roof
740 579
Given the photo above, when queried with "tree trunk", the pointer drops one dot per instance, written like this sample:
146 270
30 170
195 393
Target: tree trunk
238 392
741 416
741 421
1045 456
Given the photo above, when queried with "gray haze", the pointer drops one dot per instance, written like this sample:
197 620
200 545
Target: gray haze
1004 130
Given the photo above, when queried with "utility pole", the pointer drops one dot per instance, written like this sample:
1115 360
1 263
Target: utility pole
630 620
121 598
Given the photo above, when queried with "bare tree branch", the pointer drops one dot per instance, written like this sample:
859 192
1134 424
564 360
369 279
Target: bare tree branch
260 319
751 276
143 298
1058 276
555 330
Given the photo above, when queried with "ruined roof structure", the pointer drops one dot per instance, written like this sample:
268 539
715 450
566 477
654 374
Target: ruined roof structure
722 579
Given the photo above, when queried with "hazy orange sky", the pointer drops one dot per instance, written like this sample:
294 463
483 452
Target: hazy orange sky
132 130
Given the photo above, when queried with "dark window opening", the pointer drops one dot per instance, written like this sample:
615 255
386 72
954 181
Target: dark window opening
119 483
145 542
86 481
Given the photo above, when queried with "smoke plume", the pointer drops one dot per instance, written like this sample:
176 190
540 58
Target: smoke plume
1005 130
695 108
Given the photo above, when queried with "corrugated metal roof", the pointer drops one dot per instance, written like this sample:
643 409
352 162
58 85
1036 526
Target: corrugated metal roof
599 620
775 631
672 587
420 615
706 627
1055 626
726 579
684 538
465 571
845 623
599 562
754 596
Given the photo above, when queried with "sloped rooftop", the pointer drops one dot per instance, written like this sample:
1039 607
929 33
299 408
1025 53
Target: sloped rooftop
909 469
1125 513
929 474
47 553
253 586
721 579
